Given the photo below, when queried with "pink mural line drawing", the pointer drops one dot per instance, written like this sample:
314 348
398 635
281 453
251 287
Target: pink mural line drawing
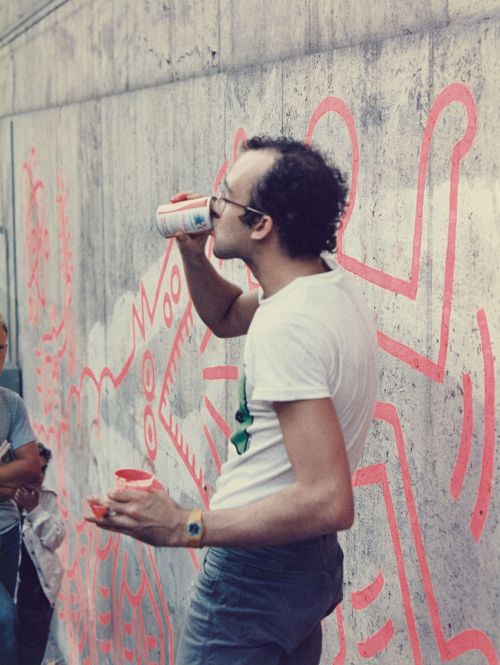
139 321
81 627
364 597
212 446
218 419
340 657
149 432
148 375
361 600
135 600
377 475
48 365
377 642
77 626
180 337
206 338
63 322
455 92
36 237
168 320
465 445
184 452
467 640
221 373
110 547
484 493
220 174
163 602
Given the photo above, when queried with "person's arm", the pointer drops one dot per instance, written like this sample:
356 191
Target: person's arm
6 493
24 469
221 305
225 309
319 501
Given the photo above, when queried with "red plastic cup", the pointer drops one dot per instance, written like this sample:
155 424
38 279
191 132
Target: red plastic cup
136 479
97 508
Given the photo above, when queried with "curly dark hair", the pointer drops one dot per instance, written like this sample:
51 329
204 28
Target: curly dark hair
303 193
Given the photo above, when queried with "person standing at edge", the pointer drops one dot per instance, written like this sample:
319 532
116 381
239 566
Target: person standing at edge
40 569
24 468
273 569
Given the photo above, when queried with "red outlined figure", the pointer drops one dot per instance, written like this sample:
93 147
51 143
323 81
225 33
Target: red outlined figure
88 631
110 619
467 640
456 92
359 601
484 492
150 435
36 237
364 597
377 475
464 449
221 373
340 658
377 642
148 376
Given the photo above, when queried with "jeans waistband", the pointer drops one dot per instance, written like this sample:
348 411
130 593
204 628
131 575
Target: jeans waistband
319 554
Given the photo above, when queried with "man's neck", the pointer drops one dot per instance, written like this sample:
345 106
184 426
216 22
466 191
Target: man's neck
275 272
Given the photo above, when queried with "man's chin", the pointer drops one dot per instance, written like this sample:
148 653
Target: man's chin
219 253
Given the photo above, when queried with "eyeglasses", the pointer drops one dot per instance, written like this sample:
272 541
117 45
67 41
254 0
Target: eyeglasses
218 205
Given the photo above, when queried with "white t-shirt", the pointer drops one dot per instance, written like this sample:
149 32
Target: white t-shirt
314 338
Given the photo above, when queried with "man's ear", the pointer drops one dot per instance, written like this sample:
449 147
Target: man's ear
263 228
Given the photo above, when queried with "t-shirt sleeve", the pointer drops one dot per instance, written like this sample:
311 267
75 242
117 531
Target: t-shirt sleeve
293 360
20 428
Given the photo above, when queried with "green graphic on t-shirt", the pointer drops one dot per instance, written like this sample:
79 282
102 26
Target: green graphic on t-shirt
240 437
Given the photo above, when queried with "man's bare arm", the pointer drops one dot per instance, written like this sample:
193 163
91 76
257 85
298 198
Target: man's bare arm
319 501
6 493
25 468
223 306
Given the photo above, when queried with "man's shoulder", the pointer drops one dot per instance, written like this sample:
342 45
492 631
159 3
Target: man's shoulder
9 396
12 403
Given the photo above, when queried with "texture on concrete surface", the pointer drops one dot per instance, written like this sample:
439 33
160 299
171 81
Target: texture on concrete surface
106 109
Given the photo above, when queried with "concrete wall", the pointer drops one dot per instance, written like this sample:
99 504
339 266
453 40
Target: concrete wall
106 108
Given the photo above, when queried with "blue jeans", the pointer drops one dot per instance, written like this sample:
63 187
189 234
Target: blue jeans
263 605
9 563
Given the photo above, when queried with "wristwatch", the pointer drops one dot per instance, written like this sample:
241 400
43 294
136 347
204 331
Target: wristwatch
195 528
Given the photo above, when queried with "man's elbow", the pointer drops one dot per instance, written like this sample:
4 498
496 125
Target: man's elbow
345 519
340 515
33 473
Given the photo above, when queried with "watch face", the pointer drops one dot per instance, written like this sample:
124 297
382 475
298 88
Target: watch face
194 529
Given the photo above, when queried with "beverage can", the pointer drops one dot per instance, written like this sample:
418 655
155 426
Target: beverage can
191 216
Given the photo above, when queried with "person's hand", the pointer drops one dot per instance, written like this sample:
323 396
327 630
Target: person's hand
26 498
190 245
152 516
